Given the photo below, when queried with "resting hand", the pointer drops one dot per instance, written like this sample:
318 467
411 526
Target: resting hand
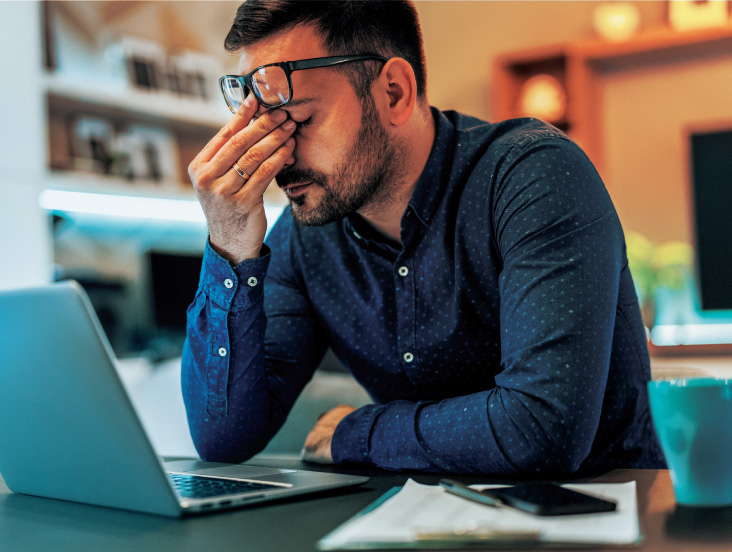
317 444
234 205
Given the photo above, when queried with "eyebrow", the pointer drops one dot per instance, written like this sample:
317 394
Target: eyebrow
295 103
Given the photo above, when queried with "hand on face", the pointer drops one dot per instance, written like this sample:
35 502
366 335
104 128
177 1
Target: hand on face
317 444
234 205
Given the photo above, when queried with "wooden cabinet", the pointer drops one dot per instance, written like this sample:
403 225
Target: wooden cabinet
579 68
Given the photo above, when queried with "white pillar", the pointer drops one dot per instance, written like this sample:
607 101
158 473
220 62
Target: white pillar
25 241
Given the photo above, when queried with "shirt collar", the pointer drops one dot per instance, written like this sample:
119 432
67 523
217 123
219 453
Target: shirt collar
433 182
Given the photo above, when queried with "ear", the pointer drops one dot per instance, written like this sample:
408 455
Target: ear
398 90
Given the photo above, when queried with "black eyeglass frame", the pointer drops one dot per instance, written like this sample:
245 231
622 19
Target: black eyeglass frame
290 67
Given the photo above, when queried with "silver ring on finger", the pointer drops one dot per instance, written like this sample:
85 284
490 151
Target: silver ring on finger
241 172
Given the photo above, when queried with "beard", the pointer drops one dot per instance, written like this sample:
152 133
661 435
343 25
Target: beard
360 180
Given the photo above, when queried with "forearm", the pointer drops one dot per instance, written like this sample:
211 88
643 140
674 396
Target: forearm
248 355
497 432
224 383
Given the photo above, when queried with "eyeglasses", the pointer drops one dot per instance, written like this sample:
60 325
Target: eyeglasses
272 84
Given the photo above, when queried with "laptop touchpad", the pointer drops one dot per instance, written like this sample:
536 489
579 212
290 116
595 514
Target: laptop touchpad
222 470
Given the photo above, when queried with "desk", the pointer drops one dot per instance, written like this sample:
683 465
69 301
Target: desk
29 524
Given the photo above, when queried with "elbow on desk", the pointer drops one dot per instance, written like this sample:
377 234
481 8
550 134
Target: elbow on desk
210 451
545 454
551 463
216 445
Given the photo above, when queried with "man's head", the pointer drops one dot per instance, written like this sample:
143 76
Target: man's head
388 28
350 144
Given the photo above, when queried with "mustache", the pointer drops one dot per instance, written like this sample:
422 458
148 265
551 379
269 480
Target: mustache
293 175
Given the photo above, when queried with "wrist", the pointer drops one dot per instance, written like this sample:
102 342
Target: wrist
236 256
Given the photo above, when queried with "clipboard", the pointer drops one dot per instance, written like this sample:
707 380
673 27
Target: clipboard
393 522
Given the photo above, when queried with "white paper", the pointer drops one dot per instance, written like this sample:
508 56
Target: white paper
418 508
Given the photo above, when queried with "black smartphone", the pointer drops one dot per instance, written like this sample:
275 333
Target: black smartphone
549 499
542 499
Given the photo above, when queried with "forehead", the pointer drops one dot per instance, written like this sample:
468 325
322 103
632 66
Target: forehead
293 44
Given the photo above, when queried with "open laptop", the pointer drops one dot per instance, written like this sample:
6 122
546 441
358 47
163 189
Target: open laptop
69 431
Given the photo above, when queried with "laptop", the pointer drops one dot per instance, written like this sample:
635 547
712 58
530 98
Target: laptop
69 431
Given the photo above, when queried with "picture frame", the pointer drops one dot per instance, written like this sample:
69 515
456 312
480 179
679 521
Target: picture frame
145 61
687 15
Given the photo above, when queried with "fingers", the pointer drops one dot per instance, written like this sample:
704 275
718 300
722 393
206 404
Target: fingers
253 148
245 139
240 120
255 155
260 178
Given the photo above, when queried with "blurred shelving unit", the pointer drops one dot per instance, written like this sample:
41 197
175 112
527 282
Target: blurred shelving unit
140 88
579 67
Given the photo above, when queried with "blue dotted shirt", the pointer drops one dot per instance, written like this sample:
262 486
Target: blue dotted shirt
504 337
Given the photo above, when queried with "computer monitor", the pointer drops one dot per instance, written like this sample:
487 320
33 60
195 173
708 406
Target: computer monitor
173 283
710 155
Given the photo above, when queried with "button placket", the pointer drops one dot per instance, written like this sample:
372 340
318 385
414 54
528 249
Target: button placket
406 312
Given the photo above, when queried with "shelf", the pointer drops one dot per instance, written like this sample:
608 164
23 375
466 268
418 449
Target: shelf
580 67
77 181
98 195
121 100
653 41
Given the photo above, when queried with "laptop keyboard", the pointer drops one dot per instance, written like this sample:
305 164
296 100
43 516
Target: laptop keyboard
196 486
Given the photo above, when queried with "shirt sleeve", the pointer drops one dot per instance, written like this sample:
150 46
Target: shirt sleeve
252 345
562 251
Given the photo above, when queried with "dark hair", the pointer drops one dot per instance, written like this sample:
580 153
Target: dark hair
389 28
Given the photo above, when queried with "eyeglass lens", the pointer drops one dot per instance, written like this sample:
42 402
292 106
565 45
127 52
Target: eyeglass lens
234 92
270 86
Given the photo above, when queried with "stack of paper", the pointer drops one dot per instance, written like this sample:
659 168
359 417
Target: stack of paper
425 516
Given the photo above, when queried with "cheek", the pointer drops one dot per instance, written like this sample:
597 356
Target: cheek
323 147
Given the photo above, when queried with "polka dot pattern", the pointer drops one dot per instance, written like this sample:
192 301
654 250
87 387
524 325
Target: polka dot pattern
502 337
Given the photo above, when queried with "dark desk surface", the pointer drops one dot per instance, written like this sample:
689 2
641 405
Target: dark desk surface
30 524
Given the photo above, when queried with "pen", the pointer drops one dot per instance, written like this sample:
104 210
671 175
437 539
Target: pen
463 491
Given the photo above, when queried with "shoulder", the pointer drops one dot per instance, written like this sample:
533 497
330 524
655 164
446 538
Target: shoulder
497 147
514 132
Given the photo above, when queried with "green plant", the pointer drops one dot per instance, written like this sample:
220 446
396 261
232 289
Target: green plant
668 265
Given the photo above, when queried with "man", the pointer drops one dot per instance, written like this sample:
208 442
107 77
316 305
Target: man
472 276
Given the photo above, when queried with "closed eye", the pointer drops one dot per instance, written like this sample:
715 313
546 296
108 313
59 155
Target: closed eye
305 123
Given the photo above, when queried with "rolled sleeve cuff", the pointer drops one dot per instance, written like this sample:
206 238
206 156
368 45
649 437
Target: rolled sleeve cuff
239 286
351 438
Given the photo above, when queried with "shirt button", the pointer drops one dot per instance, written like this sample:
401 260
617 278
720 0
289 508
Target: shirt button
222 351
408 357
403 271
357 235
228 283
252 281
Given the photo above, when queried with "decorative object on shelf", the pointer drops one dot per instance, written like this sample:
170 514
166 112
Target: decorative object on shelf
90 144
151 67
543 96
135 153
194 74
616 21
685 15
152 153
145 60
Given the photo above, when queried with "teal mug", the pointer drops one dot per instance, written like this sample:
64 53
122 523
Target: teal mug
693 420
